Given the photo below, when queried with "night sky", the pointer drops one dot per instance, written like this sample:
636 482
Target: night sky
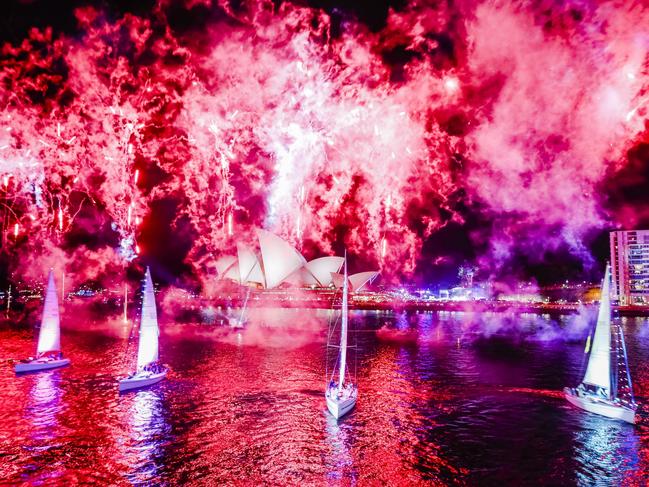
419 137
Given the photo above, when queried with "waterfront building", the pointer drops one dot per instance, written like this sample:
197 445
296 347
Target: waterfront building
275 262
630 266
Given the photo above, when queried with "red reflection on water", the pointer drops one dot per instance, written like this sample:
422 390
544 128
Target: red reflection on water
537 392
428 412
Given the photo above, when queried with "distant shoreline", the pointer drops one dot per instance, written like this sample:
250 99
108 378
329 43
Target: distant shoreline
448 306
193 310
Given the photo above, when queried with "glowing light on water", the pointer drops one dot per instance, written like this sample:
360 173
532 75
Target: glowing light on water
136 176
43 405
384 246
16 230
147 422
60 217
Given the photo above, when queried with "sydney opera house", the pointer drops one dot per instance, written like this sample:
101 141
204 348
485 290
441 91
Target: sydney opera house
276 263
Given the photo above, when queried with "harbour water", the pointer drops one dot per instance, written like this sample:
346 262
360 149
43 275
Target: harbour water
465 401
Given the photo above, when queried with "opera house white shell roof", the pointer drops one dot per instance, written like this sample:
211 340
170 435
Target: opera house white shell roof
249 266
356 281
322 268
279 257
281 263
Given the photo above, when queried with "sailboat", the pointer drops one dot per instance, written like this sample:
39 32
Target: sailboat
341 397
48 350
606 388
149 371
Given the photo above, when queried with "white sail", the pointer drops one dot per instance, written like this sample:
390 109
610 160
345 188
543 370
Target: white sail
49 338
148 346
598 372
343 331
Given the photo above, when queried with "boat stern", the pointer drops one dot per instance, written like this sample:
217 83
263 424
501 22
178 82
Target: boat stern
38 365
338 407
139 381
602 408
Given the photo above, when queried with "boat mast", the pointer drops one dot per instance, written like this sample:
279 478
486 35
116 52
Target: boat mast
343 332
615 367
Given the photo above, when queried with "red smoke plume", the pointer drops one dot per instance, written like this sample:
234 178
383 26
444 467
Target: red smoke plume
318 128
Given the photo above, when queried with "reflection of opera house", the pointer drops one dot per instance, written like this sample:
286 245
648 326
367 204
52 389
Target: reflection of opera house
277 263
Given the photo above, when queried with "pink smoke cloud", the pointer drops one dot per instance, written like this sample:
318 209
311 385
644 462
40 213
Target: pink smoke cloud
265 117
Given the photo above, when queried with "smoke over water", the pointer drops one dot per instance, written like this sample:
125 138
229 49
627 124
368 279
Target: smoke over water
171 134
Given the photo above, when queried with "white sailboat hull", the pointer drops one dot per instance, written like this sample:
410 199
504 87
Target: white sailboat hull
37 365
141 380
338 407
600 406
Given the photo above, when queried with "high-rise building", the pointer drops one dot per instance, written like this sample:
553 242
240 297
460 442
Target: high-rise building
630 266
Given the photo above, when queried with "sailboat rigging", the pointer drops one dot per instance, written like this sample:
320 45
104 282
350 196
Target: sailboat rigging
341 396
606 388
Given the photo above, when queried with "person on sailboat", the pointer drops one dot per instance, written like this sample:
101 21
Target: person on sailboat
153 367
45 356
591 389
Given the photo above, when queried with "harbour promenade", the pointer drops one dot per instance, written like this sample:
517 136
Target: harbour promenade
379 302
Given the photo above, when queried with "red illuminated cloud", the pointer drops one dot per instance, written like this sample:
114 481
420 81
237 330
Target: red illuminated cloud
268 117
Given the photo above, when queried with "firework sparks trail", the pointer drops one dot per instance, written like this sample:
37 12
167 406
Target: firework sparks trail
275 105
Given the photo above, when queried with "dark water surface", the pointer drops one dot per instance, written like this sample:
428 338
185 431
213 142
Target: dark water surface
451 408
